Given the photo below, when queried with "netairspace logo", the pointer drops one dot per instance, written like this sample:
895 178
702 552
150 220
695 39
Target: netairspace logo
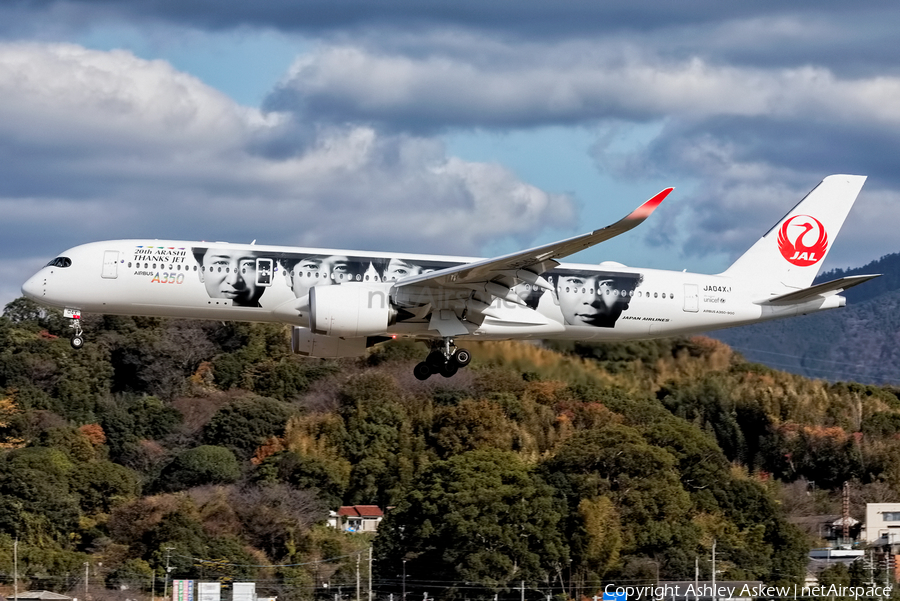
661 592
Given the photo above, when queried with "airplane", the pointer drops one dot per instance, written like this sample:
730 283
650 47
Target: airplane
341 302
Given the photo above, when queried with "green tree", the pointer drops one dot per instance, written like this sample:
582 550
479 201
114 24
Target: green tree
642 482
102 485
135 574
36 502
482 517
305 472
377 434
245 424
602 536
201 465
471 425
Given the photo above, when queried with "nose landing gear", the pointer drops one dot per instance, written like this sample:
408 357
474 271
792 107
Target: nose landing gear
442 361
77 340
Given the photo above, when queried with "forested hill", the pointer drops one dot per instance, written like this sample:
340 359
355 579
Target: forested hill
888 266
209 448
859 342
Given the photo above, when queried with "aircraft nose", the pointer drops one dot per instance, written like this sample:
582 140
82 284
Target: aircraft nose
33 288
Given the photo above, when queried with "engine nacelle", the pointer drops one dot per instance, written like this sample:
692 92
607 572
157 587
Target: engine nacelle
304 342
350 310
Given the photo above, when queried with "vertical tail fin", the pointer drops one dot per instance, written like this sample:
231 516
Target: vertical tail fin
791 253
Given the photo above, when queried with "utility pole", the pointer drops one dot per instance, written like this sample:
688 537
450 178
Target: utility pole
404 580
887 569
845 515
86 574
357 575
370 573
714 596
16 569
166 580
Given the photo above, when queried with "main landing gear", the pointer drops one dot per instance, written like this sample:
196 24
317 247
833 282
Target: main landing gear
441 360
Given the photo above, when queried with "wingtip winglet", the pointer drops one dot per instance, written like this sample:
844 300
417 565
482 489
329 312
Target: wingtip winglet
643 211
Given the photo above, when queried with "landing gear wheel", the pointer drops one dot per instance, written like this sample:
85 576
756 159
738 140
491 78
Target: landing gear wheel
462 357
422 371
77 340
449 370
436 360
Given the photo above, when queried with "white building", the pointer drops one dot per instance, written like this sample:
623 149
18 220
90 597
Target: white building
356 518
882 523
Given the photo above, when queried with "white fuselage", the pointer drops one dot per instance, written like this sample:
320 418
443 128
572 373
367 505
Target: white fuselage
221 281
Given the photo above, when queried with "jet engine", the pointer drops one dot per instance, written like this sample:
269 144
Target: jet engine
350 310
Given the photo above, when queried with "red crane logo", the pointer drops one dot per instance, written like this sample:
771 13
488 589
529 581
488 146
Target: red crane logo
802 240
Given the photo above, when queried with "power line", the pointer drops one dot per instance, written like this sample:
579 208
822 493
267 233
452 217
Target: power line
858 369
282 565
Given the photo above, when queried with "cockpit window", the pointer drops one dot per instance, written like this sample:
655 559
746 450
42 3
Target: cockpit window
60 262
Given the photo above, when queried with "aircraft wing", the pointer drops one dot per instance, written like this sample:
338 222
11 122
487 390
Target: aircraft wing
823 289
526 266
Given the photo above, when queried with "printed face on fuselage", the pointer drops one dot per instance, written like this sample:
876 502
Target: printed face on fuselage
319 271
230 274
593 299
397 269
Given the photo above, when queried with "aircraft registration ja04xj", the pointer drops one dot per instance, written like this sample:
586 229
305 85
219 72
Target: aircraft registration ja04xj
341 302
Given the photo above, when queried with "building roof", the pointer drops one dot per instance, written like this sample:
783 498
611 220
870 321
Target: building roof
815 519
44 595
361 511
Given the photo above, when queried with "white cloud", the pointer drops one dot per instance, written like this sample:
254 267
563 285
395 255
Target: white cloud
103 145
115 99
753 138
570 82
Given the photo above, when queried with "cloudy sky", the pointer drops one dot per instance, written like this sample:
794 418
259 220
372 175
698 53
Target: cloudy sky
447 126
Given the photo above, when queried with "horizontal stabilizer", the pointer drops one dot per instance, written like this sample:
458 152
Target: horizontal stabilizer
823 289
